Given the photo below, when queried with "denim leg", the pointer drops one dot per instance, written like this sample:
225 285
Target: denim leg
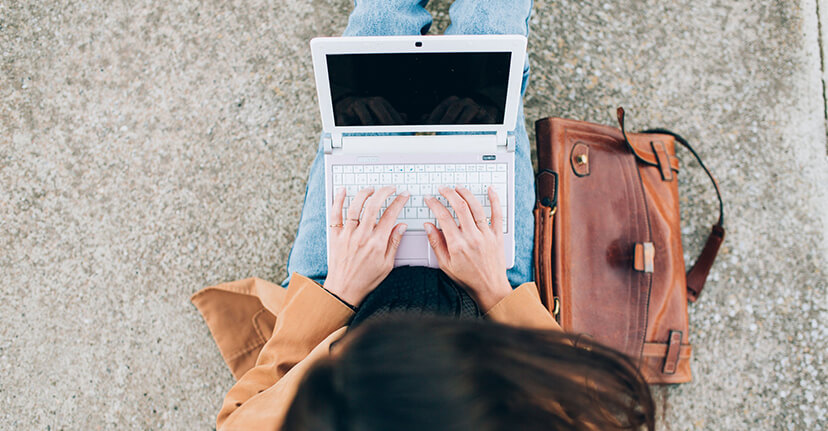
309 253
522 272
388 18
369 18
508 17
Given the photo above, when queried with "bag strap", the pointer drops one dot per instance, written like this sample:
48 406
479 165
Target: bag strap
698 273
546 204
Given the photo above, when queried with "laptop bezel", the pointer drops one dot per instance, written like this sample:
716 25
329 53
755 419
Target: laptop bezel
323 46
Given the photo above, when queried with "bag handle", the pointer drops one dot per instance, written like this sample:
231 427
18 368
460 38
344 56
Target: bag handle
698 273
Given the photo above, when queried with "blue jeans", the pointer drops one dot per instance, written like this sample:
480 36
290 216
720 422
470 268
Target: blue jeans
409 17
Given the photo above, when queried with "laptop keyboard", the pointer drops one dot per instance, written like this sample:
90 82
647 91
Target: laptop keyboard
422 180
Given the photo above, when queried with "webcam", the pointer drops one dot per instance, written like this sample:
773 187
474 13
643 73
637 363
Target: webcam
418 44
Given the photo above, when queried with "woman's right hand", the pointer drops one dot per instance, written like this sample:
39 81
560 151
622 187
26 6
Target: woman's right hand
470 251
362 250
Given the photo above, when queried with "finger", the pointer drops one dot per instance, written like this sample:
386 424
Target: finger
389 217
461 208
444 217
497 215
363 113
394 241
355 209
335 215
372 207
476 208
438 243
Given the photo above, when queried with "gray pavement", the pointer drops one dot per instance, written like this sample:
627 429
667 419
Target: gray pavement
150 148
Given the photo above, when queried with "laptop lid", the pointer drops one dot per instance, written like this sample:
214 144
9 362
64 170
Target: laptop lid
394 84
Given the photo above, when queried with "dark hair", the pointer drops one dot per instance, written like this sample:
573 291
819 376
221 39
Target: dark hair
443 374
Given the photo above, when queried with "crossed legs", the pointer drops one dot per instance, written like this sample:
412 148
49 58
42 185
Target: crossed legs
409 17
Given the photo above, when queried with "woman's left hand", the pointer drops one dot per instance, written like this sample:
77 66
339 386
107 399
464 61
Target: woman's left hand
362 250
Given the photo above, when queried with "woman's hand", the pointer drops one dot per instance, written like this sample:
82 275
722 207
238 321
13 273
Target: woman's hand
362 250
471 252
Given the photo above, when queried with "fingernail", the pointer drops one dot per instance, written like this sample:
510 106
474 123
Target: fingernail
340 190
427 197
428 228
403 227
405 193
458 186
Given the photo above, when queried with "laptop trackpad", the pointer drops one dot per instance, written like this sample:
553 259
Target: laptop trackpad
413 250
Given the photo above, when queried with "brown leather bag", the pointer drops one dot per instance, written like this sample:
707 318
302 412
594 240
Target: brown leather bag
608 254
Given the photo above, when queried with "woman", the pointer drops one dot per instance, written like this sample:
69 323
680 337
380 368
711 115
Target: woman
460 374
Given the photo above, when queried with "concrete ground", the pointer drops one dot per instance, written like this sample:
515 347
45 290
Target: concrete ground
150 148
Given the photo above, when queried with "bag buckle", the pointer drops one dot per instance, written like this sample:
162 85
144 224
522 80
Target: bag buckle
644 257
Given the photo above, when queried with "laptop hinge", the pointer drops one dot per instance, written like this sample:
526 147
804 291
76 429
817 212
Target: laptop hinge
331 141
509 139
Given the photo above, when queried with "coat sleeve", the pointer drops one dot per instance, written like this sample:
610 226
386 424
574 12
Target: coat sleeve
523 308
309 317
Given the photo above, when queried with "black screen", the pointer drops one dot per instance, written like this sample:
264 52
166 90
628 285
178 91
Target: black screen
418 89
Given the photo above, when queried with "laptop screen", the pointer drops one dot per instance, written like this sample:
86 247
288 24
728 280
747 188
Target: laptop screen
418 88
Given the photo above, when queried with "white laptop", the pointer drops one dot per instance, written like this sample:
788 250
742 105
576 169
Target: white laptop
391 109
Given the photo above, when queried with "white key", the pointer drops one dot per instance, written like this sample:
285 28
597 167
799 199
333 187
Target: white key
448 178
361 179
501 167
337 179
397 178
429 168
414 189
450 168
459 177
416 201
481 167
485 178
409 168
440 168
498 177
419 168
351 190
491 167
373 178
476 188
337 169
422 177
399 168
472 177
348 169
410 212
402 187
460 168
386 178
411 178
501 191
422 212
359 169
434 177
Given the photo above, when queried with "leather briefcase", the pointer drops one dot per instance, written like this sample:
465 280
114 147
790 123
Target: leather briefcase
608 254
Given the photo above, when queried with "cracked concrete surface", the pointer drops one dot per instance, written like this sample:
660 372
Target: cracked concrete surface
148 149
